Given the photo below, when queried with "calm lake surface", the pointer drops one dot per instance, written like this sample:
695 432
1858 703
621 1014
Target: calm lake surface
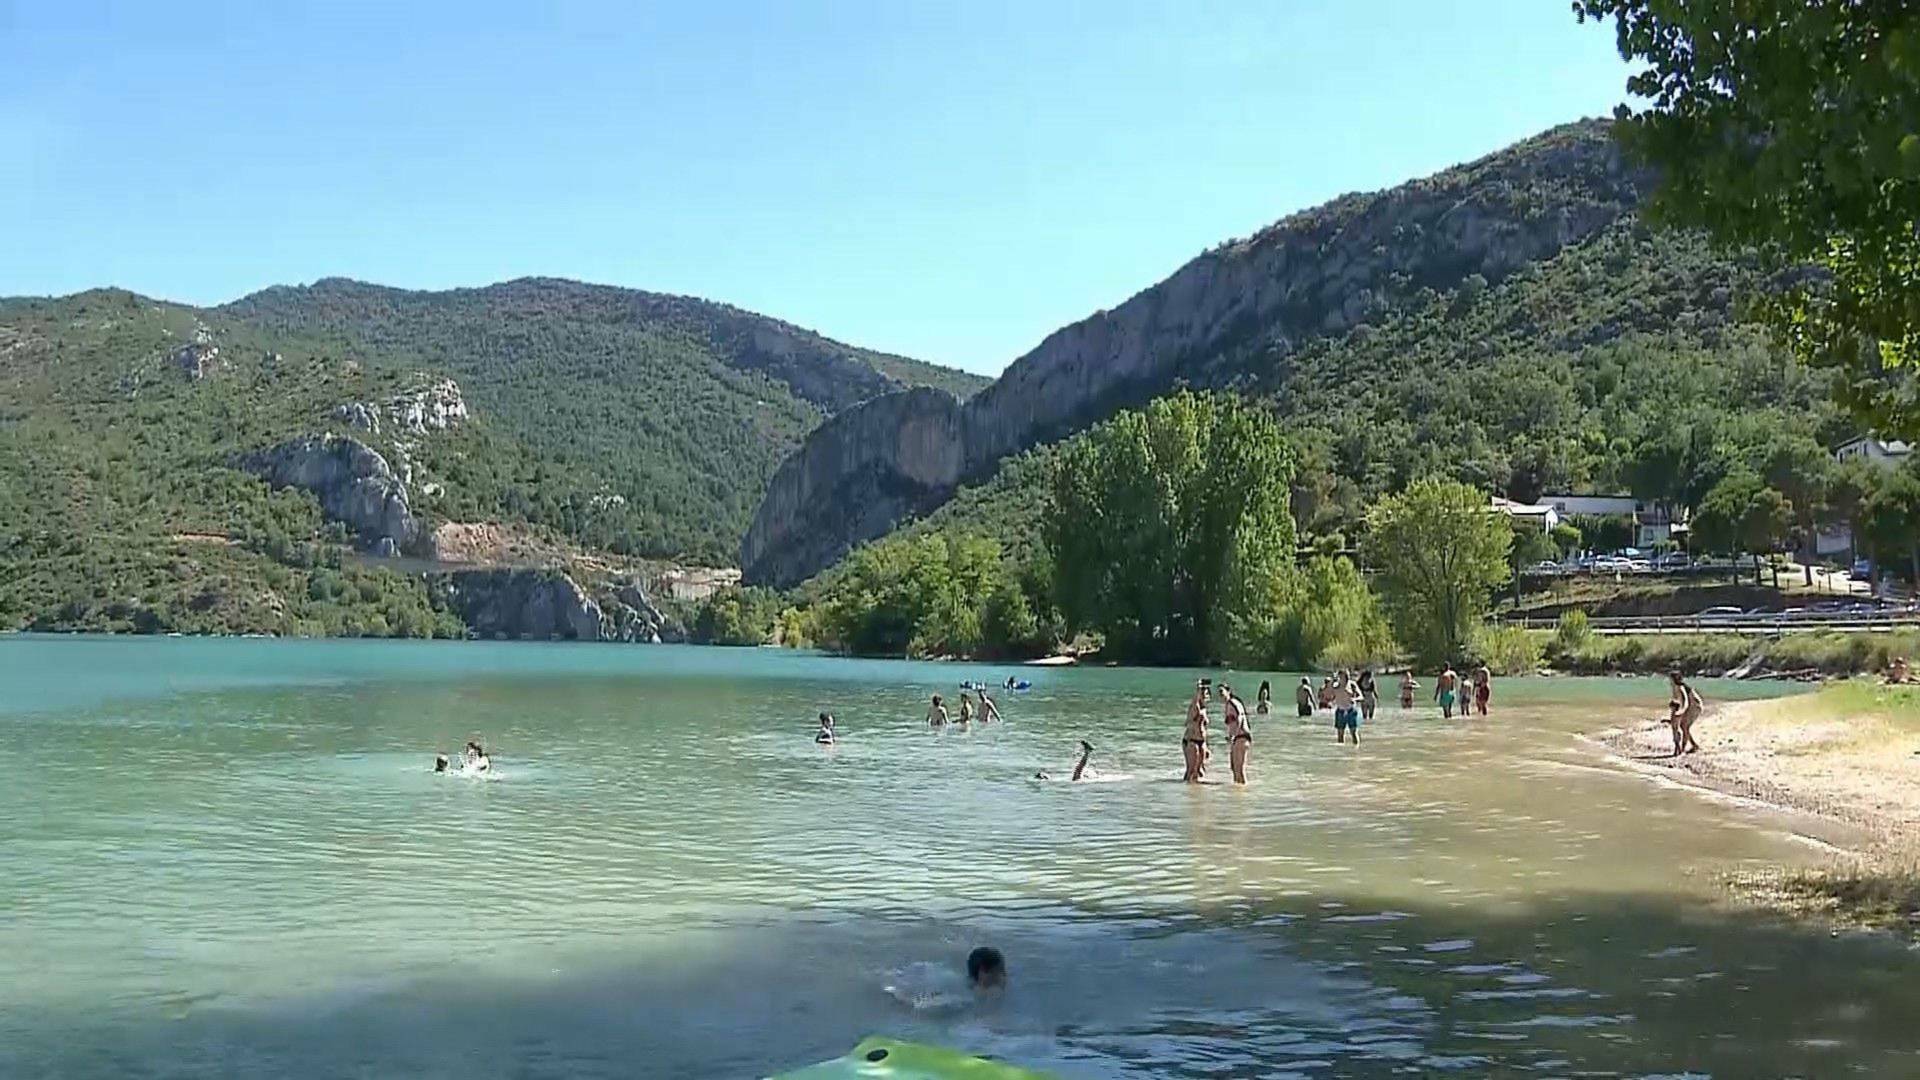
224 857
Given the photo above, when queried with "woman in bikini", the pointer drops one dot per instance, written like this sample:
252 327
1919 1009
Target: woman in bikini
1688 710
1239 736
1263 701
1193 742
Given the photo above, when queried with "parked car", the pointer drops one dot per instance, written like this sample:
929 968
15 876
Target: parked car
1673 560
1639 566
1608 564
1546 566
1720 612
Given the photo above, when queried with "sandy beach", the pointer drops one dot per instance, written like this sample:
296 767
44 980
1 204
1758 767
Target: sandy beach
1848 754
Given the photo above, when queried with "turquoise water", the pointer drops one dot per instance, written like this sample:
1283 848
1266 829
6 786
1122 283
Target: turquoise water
229 857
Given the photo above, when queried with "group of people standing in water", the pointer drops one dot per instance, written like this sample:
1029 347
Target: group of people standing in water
1352 696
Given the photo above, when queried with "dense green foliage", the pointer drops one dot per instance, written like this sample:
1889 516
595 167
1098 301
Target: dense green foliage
124 507
1822 652
1322 615
735 616
123 510
1440 554
1741 515
934 595
647 424
1794 128
1167 523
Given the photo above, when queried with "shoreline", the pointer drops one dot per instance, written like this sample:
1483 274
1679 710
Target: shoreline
1843 760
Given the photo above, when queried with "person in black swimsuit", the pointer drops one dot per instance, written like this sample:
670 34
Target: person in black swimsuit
1239 736
1193 741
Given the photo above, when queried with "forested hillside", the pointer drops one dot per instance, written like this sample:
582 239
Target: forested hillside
1577 372
680 407
594 420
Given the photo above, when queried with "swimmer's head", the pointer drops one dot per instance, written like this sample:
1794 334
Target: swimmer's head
986 969
826 719
439 763
936 699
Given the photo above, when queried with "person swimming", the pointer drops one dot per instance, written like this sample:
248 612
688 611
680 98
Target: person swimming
1080 770
988 711
825 735
439 763
476 759
986 968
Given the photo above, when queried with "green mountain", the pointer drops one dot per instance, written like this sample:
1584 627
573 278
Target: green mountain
579 418
1510 322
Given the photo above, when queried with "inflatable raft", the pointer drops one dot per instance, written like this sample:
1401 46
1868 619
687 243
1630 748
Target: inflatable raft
880 1057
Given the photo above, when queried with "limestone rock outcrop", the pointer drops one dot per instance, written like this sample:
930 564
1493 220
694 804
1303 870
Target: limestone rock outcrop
353 482
856 477
1322 272
548 605
539 605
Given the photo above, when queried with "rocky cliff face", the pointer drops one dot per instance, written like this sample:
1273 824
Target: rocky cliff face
547 605
353 482
1322 272
856 477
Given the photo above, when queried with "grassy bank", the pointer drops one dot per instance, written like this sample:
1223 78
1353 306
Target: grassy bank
1812 652
1849 753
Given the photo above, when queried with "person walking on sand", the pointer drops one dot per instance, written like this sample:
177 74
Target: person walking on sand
936 713
1407 689
1239 735
1193 740
1444 688
1689 708
1482 688
1303 696
1263 702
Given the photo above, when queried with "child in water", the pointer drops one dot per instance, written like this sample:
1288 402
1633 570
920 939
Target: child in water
825 735
936 713
986 968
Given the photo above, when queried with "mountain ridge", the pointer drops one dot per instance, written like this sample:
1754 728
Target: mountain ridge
1317 273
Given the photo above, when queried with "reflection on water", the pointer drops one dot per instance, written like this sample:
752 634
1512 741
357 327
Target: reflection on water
230 857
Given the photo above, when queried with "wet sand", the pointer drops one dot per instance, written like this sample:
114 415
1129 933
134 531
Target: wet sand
1847 757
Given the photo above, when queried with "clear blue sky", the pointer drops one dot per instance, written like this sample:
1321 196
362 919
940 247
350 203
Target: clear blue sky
946 180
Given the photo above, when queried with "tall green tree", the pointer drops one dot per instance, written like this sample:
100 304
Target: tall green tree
1167 522
1742 516
1794 128
1801 470
1890 518
1440 552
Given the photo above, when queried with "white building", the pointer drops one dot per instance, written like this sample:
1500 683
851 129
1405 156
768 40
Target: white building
1653 526
1546 517
1886 454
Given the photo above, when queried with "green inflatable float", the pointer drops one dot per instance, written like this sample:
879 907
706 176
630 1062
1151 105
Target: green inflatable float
879 1057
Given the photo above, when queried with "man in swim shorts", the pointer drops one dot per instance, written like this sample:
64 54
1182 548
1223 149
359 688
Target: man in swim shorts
1444 688
988 711
1346 714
